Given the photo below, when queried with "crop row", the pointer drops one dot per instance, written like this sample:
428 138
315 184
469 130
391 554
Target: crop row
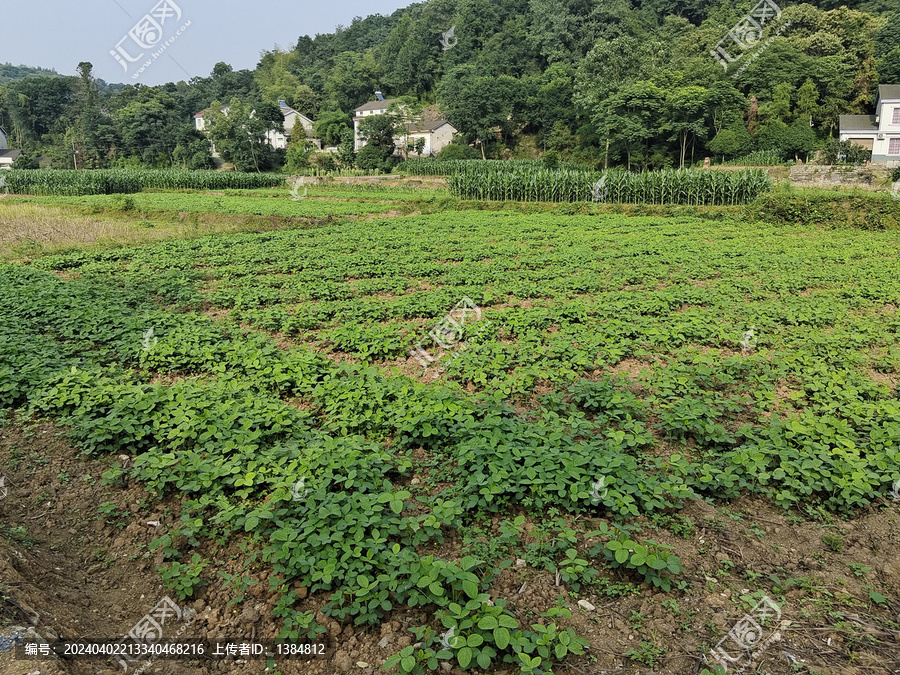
70 182
276 205
428 166
673 186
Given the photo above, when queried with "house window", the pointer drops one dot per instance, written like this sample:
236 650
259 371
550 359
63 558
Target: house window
896 118
894 146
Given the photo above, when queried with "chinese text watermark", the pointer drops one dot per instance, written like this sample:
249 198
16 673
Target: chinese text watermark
448 333
747 33
147 34
745 639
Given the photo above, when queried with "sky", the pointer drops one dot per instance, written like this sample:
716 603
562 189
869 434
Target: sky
58 34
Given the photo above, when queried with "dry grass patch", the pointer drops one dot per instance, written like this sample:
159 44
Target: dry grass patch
30 229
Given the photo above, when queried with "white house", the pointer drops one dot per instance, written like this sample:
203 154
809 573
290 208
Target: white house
880 132
366 109
7 156
437 133
275 138
291 118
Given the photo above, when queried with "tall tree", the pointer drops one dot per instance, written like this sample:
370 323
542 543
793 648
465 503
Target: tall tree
686 107
239 134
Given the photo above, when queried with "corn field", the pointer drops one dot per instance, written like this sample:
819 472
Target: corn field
319 172
758 158
72 183
427 166
671 186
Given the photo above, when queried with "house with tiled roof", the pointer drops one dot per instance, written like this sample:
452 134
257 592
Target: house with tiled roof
880 132
7 155
275 138
436 132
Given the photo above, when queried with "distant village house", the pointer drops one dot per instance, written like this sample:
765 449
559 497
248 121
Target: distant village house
437 133
880 132
7 156
274 138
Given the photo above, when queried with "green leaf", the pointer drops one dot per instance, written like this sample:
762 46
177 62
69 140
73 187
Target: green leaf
621 556
470 588
464 656
501 637
508 621
475 640
487 623
408 663
484 660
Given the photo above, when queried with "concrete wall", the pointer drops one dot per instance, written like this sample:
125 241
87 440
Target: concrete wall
441 138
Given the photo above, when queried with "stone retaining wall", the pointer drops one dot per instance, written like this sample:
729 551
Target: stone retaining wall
868 177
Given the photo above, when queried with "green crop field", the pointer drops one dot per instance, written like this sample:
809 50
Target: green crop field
279 205
603 373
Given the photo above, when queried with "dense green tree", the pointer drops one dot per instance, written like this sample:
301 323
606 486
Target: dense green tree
800 139
38 106
329 127
634 116
807 100
370 157
480 106
686 108
379 132
239 135
458 151
781 101
725 144
346 154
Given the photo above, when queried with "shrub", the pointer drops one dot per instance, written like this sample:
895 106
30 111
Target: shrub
458 151
369 158
845 152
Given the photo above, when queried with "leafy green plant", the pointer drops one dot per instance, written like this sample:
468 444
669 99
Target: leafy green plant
183 578
575 571
113 516
648 559
859 570
482 630
834 542
648 653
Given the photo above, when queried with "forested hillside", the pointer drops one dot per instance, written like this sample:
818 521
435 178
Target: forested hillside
628 83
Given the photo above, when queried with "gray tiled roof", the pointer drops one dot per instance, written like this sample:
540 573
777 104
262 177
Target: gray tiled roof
426 126
375 105
891 91
858 123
